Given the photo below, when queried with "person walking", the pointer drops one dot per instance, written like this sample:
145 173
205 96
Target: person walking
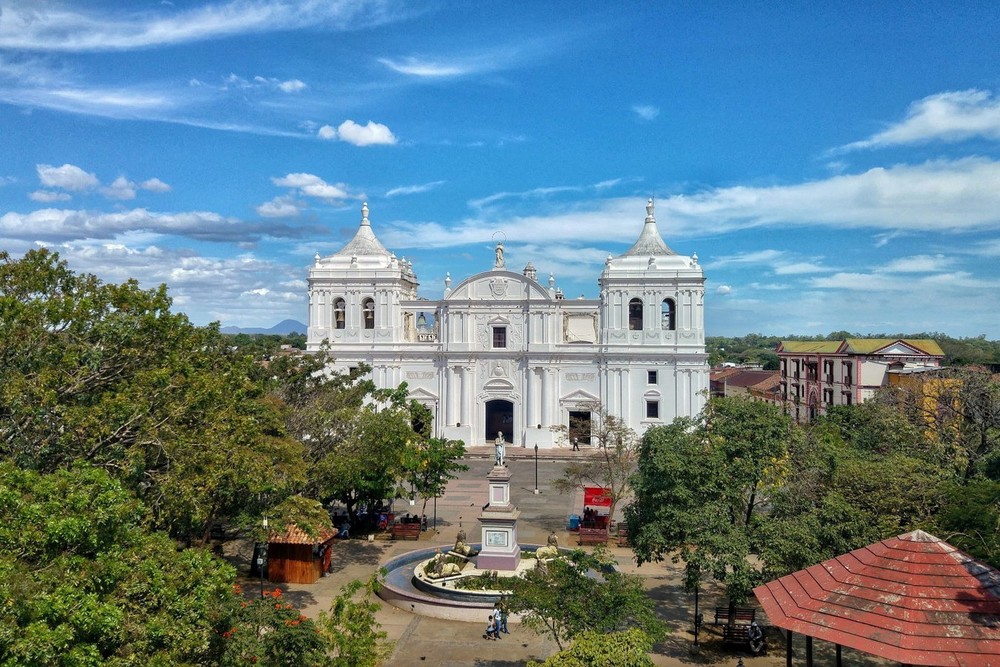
501 614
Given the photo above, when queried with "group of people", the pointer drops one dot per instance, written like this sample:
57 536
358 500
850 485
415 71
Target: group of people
497 622
590 516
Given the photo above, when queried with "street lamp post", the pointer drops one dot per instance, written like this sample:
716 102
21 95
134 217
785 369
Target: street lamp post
261 558
536 468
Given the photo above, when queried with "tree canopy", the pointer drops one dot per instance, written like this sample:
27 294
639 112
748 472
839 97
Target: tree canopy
582 592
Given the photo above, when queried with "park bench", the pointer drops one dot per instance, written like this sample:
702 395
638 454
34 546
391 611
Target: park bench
593 536
406 531
735 628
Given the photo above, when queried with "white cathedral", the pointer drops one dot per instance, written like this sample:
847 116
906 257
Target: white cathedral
501 352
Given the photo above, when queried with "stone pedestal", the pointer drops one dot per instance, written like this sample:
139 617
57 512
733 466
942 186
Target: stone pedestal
500 550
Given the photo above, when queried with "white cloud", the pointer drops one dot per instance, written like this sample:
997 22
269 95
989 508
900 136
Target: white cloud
54 225
747 258
279 207
47 196
292 86
872 282
795 268
327 132
310 185
433 70
64 29
723 289
918 264
67 177
155 185
365 135
780 262
949 116
203 286
413 189
933 196
646 111
120 188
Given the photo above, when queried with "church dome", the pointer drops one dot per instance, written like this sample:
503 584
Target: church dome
649 243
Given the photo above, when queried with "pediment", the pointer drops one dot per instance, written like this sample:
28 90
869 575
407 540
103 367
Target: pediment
420 394
579 396
498 286
900 348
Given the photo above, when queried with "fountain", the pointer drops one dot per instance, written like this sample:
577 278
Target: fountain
426 581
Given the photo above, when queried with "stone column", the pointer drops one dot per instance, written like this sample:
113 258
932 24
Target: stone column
530 389
466 397
453 395
546 397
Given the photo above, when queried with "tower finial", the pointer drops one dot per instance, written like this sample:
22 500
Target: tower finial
649 210
364 215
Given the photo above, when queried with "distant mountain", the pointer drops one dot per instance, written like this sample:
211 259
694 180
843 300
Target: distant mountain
281 328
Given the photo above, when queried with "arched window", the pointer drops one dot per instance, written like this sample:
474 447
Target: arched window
635 315
368 311
339 310
668 315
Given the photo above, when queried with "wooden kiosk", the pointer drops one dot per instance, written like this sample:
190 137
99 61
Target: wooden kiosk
295 558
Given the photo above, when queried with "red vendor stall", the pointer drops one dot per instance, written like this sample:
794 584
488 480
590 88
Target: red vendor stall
596 506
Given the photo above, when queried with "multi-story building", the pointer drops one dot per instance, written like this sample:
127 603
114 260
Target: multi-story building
502 351
817 375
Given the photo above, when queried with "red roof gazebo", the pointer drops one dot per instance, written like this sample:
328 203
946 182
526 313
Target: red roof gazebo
914 599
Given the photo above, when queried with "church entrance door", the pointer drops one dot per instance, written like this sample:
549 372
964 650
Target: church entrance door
579 426
499 419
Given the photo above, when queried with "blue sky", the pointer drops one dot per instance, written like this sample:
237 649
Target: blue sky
834 168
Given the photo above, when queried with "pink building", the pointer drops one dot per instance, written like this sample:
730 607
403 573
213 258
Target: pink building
819 374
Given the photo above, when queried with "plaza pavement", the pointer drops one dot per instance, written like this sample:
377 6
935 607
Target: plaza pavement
420 640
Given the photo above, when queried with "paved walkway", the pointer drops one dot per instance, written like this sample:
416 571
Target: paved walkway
428 641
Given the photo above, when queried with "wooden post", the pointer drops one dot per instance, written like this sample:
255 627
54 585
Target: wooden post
809 651
839 663
788 649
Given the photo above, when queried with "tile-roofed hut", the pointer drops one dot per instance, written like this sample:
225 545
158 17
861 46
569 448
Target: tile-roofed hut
296 558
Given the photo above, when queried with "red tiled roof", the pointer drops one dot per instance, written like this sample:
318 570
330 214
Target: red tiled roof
913 599
295 535
751 378
720 373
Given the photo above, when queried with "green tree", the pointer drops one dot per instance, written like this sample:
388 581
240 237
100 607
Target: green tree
107 374
700 487
581 592
430 463
350 629
83 583
611 466
628 648
270 632
970 518
860 475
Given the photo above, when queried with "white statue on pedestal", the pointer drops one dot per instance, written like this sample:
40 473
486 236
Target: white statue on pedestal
500 450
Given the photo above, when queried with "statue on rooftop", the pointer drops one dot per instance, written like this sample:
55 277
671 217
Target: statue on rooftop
499 256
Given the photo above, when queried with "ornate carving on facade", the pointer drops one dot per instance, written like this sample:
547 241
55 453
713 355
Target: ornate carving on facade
498 288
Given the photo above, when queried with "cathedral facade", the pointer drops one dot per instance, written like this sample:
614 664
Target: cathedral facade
503 352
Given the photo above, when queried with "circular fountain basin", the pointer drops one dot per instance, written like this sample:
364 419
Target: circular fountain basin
409 590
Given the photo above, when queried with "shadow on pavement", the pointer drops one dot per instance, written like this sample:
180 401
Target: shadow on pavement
353 552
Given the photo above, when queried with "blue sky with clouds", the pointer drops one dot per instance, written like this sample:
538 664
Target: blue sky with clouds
833 167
